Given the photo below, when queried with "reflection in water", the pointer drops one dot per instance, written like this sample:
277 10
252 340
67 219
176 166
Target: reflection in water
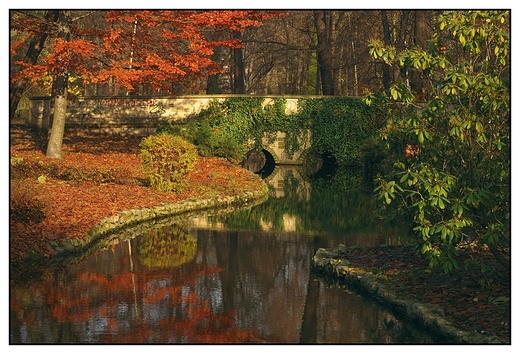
339 207
247 281
166 246
241 287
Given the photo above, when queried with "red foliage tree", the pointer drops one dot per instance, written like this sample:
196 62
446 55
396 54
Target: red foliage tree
170 51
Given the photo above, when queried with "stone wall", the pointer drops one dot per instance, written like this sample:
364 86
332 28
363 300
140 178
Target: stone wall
127 115
140 116
132 223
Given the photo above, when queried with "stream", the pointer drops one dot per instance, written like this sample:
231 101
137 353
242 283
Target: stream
238 277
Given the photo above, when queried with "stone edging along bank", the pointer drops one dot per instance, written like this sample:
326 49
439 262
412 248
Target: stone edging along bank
431 317
119 222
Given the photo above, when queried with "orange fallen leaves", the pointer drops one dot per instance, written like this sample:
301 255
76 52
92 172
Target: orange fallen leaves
74 207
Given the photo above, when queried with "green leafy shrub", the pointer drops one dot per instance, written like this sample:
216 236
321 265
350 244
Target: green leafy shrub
213 142
224 128
210 138
455 188
340 126
24 204
166 158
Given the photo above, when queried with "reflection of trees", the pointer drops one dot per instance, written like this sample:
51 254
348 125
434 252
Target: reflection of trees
168 246
346 317
89 304
340 205
241 287
308 333
265 281
272 211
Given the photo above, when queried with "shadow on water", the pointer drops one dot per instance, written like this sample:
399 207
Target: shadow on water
320 166
392 326
269 165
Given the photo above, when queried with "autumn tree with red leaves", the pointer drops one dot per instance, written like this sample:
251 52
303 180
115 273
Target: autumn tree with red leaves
167 51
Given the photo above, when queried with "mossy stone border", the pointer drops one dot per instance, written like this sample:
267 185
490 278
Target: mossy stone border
431 317
125 219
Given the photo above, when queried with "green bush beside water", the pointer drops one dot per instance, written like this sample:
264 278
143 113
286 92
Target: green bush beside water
166 158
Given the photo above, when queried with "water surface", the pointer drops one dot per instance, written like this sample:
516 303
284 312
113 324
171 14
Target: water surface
242 277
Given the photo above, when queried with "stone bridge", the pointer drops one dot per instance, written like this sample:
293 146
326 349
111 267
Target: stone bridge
140 115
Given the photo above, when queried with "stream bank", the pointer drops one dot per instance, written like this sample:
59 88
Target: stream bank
334 262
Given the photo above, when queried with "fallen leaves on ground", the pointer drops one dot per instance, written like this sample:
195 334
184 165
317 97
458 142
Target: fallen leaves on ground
465 302
74 206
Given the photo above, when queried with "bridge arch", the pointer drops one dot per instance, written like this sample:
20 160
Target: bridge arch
261 162
319 165
312 164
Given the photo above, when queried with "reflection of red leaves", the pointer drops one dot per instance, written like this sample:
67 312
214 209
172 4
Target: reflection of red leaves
113 325
94 296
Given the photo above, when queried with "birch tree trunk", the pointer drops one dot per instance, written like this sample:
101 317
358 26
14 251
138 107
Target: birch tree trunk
59 93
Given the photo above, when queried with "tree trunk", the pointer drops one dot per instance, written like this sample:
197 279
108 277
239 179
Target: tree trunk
309 330
31 57
213 88
421 29
58 124
239 85
421 34
388 41
60 98
324 52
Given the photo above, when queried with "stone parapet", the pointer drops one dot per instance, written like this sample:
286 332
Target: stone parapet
129 115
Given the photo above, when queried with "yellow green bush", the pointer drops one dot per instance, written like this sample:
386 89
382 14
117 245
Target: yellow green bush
165 159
